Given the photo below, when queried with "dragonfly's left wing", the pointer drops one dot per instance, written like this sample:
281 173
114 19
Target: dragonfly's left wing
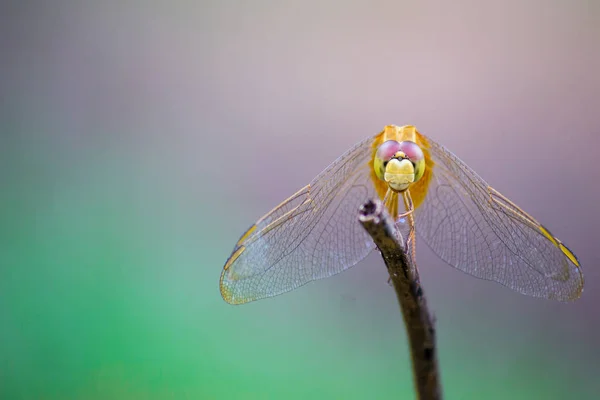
312 235
474 228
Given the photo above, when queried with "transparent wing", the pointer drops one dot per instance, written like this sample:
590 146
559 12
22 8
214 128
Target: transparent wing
474 228
312 235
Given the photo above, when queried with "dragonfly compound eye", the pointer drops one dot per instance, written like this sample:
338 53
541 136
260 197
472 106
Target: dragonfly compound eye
385 152
399 164
414 153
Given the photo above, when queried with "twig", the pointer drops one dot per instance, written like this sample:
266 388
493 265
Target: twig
405 278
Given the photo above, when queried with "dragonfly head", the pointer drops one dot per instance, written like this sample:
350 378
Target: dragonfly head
399 164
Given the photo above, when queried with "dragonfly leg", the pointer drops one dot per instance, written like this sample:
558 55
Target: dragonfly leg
410 240
386 198
390 202
408 203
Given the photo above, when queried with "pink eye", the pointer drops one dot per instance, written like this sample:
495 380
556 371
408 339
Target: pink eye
412 151
386 151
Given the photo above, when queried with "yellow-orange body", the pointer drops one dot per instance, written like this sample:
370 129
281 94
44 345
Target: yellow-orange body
418 190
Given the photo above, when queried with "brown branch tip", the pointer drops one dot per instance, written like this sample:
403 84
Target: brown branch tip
413 304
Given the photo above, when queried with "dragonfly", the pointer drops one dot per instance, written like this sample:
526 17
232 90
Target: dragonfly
315 233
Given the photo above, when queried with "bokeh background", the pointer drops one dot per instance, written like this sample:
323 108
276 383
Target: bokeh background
140 139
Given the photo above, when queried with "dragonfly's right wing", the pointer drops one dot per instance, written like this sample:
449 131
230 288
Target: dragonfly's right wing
312 235
474 228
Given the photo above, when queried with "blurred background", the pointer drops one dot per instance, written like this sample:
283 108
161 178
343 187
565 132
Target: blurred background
140 139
